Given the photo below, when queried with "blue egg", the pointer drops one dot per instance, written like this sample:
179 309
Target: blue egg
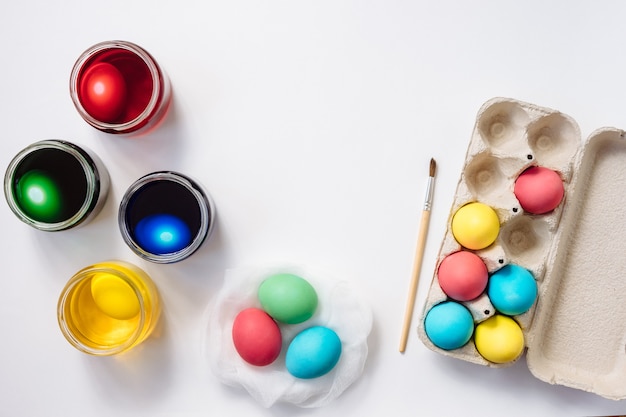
512 290
313 352
449 325
162 233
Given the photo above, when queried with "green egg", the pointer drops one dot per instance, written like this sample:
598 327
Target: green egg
288 298
39 197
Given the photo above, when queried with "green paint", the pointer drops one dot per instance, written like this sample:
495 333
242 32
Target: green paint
39 197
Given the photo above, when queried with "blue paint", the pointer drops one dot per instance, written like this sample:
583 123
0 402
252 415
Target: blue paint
162 233
512 290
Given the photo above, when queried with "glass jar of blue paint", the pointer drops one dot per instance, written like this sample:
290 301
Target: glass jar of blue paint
165 216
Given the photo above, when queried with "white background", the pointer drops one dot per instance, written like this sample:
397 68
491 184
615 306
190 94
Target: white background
311 123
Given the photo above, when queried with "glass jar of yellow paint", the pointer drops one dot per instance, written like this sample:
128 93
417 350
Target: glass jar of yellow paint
108 308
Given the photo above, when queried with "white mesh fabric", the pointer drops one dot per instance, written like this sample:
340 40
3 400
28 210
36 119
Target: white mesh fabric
339 308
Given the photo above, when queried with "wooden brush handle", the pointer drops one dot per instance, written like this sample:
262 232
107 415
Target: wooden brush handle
417 266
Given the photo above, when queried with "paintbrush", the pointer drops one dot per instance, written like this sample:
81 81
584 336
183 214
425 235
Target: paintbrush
419 255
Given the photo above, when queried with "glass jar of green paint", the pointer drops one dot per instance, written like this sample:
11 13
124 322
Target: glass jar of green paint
55 185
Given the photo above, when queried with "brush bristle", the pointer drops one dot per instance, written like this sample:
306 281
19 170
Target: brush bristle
433 167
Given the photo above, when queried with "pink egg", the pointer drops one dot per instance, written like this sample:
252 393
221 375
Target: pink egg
539 190
256 337
462 276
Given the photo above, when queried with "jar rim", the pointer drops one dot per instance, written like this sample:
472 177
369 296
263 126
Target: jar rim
204 203
88 273
92 176
157 88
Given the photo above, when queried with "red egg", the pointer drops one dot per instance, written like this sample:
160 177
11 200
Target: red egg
256 337
539 190
103 92
462 275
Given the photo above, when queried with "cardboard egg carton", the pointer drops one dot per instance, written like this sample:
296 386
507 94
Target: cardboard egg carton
575 333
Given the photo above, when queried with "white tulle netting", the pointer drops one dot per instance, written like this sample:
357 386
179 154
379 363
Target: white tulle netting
339 308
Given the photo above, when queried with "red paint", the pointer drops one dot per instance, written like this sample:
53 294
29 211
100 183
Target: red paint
116 107
256 337
103 92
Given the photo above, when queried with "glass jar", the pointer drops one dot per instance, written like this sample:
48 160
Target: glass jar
55 185
165 216
118 87
108 308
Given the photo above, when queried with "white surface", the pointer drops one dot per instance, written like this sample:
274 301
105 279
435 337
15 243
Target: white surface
311 123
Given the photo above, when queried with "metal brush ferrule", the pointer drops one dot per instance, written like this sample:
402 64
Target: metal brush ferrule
430 187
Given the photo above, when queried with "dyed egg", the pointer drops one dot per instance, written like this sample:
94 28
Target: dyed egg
512 290
288 298
539 190
462 275
256 337
313 352
449 325
475 226
103 92
114 296
499 339
39 197
162 233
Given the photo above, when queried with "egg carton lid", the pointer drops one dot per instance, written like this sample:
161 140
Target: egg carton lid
578 336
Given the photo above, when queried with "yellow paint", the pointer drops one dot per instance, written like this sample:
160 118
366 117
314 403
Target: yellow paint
475 226
114 296
499 339
108 308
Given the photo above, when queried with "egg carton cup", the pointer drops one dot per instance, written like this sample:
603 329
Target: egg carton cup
575 332
340 308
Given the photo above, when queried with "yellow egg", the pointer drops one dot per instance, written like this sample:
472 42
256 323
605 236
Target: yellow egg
499 339
475 226
114 296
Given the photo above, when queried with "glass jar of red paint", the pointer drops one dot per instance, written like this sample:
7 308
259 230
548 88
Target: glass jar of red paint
118 87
